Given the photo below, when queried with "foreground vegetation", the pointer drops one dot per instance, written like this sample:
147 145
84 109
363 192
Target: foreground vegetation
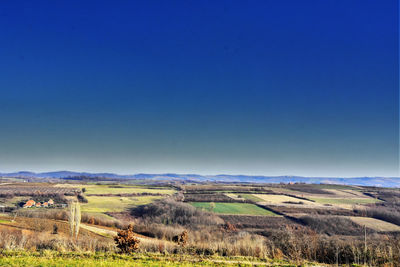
51 258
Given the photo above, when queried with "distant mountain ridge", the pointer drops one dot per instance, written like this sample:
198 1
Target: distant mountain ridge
365 181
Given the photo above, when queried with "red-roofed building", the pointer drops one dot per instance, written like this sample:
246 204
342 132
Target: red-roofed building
38 205
29 204
51 202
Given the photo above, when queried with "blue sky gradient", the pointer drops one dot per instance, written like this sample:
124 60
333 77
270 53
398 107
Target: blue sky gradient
254 87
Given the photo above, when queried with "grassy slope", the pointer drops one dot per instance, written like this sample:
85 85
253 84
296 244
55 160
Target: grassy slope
234 208
49 258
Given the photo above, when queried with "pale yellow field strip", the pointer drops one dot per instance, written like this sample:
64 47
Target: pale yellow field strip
376 224
280 199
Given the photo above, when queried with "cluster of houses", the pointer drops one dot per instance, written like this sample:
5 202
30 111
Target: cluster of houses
31 203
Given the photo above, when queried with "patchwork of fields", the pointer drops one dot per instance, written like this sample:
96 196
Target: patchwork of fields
219 219
336 197
295 201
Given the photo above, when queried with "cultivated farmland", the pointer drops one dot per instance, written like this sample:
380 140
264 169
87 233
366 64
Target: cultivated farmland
375 224
280 199
346 201
102 204
233 208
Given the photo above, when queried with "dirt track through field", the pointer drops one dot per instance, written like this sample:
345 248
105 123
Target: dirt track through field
111 233
98 230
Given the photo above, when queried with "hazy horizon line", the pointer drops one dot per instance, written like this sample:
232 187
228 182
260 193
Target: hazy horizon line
183 173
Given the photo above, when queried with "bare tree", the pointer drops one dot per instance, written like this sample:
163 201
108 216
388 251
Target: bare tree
71 217
74 218
77 218
55 229
182 238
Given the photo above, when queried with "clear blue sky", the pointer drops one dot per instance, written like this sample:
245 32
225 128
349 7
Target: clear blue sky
253 87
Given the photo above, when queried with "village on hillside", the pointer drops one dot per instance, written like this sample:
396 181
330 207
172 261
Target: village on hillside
46 204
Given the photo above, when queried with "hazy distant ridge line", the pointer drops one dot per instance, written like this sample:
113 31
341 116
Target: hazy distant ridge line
366 181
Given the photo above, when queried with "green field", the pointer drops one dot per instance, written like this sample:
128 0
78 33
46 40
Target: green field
115 204
233 208
348 201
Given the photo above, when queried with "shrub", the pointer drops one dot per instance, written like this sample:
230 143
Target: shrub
81 198
182 238
91 220
126 240
55 229
229 227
